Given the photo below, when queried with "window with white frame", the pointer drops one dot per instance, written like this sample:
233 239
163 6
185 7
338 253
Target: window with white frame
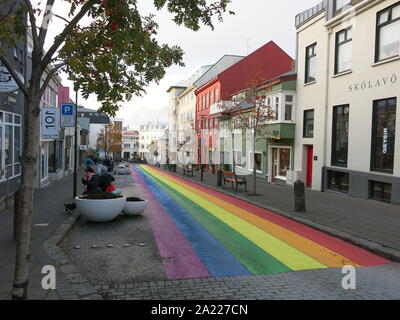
10 144
257 159
237 154
288 107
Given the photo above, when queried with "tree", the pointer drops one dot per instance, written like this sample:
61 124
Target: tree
107 48
251 114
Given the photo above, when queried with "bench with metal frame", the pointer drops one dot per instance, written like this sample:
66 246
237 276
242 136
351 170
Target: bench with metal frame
232 178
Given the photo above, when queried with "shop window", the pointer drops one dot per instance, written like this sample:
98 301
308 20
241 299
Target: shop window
340 135
380 191
338 181
383 135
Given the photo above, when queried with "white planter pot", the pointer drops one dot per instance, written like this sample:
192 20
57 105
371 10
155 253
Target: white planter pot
134 208
100 210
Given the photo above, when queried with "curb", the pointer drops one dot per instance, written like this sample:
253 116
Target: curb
75 286
379 249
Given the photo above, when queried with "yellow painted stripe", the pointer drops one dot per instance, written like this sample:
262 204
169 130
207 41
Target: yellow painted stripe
309 247
291 257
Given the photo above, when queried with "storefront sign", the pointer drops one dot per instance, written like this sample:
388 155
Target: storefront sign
377 83
50 127
385 141
7 82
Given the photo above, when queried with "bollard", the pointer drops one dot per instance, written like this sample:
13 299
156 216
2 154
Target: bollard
299 196
219 178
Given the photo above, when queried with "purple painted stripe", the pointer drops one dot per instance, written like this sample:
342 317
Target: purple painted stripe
170 240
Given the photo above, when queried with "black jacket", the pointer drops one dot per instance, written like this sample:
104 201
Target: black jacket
92 185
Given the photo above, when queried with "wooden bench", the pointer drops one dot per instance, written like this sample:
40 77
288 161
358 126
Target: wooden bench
232 178
188 168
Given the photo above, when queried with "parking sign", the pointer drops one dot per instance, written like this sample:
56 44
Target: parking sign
67 115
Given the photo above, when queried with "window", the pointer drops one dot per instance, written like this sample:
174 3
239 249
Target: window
276 108
383 135
343 50
340 135
257 160
308 125
311 57
339 4
238 158
338 181
380 191
288 107
10 144
388 33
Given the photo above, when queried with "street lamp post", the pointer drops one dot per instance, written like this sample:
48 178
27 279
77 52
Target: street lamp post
76 147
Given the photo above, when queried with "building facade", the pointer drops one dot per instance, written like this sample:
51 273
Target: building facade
150 134
348 92
130 144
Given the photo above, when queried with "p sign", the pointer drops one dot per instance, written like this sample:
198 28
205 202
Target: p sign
67 115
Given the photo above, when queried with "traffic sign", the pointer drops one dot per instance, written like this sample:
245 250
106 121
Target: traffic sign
67 115
50 126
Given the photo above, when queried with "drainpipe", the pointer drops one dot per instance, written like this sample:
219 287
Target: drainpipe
326 106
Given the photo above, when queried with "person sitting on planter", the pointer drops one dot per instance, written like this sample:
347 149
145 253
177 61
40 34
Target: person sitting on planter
106 179
91 181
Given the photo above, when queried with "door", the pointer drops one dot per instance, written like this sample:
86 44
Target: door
274 164
310 158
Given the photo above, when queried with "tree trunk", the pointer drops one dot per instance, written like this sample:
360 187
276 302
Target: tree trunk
254 168
24 215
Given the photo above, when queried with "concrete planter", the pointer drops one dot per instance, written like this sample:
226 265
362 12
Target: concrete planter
100 210
134 208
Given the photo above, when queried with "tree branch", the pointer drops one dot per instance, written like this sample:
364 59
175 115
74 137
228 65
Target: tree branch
50 75
32 20
61 37
13 73
45 22
5 15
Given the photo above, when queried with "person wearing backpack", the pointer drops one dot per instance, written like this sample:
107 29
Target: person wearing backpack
106 180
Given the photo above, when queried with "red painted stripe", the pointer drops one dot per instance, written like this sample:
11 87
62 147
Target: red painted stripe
352 252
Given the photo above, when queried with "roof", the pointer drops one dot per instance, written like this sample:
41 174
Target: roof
221 65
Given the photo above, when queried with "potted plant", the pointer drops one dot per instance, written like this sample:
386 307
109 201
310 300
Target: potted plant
100 207
134 206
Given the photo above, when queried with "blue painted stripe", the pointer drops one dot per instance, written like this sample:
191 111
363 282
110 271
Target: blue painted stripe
218 261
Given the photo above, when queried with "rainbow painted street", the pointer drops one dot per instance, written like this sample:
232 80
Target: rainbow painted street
210 234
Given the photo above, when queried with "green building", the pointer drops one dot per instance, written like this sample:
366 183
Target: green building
274 152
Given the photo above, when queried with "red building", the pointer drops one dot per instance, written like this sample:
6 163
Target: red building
229 75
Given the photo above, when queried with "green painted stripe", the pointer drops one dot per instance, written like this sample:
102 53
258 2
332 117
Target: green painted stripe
255 259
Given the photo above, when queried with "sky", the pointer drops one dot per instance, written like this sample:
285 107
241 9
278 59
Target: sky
254 24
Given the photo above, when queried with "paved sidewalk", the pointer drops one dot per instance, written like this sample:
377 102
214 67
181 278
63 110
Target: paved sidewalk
48 209
372 224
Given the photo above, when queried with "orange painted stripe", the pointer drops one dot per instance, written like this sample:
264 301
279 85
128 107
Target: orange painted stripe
308 247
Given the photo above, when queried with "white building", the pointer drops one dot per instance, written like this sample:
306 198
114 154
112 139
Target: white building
130 143
149 134
347 137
